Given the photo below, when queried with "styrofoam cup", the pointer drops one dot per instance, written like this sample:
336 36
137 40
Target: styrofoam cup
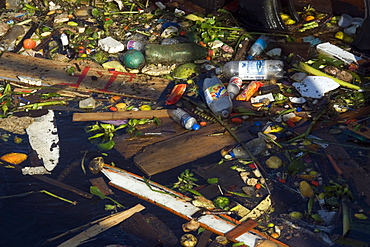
345 20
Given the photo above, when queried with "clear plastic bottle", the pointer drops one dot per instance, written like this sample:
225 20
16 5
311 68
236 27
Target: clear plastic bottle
234 86
10 37
254 70
255 146
258 47
175 53
217 97
134 44
185 119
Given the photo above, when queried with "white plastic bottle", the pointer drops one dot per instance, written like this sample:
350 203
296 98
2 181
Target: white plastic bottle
185 119
254 69
258 47
217 97
234 86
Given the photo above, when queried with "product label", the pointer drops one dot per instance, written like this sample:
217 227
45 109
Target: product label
236 80
252 70
214 92
130 44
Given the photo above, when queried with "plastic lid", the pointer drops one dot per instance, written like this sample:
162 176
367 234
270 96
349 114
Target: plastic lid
195 127
225 113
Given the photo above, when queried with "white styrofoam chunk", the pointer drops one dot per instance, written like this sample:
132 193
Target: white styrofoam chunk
111 45
315 86
337 52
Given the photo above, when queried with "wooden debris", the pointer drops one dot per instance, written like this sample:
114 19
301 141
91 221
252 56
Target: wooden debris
152 133
102 186
351 170
100 116
101 226
190 146
240 229
35 71
150 229
359 129
204 239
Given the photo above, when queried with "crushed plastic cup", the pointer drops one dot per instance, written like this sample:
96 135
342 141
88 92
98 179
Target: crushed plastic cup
345 20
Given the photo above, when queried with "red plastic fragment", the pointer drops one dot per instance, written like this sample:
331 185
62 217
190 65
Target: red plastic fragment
176 93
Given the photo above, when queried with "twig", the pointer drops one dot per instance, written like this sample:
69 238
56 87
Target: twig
335 165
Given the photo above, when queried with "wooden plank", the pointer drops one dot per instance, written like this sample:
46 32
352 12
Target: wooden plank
102 186
100 116
86 77
352 171
150 229
101 227
359 129
204 239
190 146
152 133
240 229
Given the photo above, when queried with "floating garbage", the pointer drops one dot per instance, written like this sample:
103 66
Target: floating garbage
315 86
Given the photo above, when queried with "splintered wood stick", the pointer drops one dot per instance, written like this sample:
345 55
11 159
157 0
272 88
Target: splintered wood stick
335 165
101 226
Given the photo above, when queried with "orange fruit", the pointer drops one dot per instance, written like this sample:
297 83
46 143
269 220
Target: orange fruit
29 44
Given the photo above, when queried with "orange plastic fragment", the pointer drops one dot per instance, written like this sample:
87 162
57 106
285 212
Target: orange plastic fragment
249 91
14 158
176 94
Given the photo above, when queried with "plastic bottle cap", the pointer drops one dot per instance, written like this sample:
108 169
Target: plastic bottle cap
249 57
195 127
225 113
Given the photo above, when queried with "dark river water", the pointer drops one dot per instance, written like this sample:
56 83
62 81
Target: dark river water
31 219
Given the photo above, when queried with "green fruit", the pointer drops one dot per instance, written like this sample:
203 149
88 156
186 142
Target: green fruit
184 71
133 59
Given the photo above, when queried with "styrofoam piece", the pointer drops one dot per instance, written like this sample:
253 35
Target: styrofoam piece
297 100
315 86
111 45
337 52
259 98
44 139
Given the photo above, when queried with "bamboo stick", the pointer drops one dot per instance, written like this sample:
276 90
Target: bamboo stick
101 227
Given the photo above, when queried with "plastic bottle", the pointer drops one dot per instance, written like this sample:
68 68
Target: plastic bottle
254 70
184 119
10 37
258 47
66 49
255 146
134 44
234 86
175 53
216 96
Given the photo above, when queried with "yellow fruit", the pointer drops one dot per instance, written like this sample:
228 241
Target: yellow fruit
145 108
14 158
305 189
290 22
121 106
284 17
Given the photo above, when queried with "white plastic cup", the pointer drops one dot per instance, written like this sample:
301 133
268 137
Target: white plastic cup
345 20
357 21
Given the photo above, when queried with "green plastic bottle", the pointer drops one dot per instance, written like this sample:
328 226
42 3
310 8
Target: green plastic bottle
175 53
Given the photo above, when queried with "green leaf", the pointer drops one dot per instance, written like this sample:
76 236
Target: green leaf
95 191
95 12
106 145
212 180
96 136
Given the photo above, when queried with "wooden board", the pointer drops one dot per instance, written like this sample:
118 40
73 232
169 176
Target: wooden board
100 116
179 150
87 79
352 171
101 227
152 133
154 193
